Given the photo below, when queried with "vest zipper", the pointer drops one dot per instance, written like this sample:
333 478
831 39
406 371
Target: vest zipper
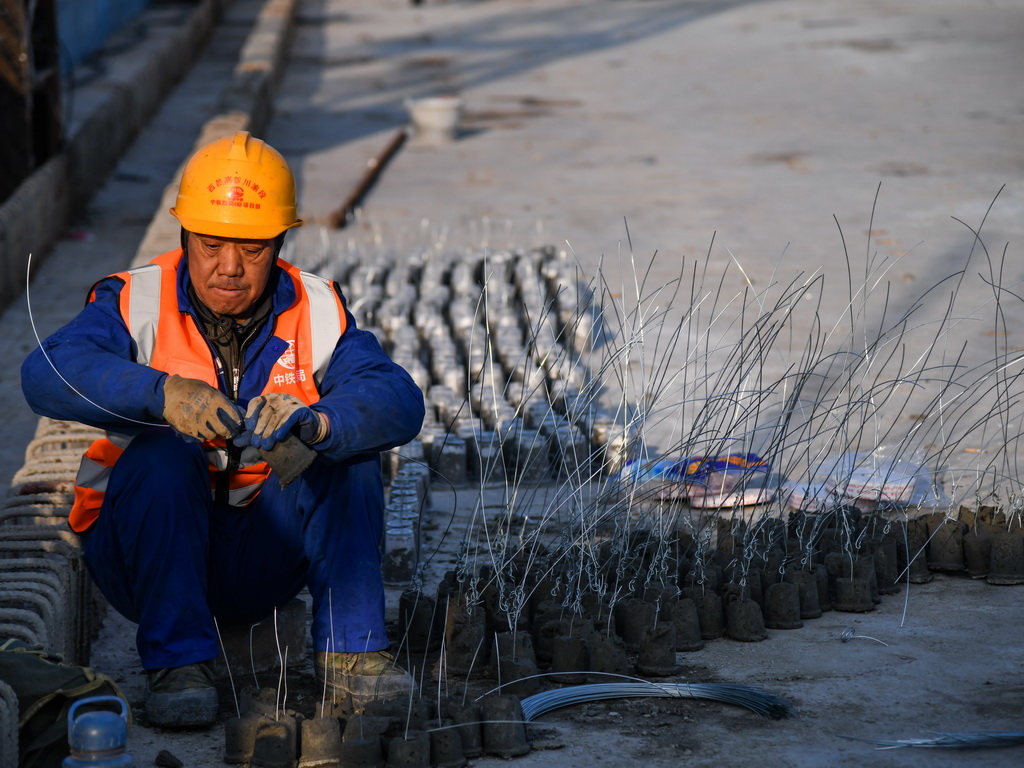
272 322
235 453
222 480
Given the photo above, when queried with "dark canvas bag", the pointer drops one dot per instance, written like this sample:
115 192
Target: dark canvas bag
46 688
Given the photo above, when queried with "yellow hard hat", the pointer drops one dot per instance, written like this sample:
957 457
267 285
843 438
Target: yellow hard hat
237 186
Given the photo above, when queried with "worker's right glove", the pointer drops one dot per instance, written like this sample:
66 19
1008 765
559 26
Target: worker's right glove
197 410
272 416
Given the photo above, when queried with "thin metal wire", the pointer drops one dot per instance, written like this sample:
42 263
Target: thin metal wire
849 634
42 349
961 740
846 374
763 703
227 663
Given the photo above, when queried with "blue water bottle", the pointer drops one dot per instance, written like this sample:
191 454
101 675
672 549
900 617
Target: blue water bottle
98 739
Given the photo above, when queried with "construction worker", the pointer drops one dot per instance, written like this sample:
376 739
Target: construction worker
196 366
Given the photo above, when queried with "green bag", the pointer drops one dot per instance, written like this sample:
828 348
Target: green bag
46 688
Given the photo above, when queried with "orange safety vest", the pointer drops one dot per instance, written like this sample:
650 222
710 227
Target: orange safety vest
169 340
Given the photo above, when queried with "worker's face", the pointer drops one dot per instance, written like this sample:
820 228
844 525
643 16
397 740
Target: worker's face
228 273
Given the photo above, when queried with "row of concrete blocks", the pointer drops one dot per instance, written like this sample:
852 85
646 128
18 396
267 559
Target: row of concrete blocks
46 595
498 343
527 309
535 440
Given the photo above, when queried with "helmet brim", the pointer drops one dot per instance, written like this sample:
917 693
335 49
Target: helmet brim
233 229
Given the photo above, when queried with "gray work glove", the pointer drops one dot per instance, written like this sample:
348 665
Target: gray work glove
197 410
271 417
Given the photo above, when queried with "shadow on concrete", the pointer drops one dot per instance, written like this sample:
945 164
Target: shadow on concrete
373 78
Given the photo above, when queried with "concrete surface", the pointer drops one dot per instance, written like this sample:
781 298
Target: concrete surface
244 103
704 126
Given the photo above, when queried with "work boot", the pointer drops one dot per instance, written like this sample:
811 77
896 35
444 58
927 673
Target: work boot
359 678
181 697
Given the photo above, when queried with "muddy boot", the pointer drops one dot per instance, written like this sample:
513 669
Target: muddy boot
181 697
358 678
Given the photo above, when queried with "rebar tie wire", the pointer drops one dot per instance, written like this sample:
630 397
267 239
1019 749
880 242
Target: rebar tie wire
765 704
962 740
849 634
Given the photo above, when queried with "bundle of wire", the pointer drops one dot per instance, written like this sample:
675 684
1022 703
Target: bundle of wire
764 704
968 740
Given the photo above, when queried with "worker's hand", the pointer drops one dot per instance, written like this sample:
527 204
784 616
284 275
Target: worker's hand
272 416
197 410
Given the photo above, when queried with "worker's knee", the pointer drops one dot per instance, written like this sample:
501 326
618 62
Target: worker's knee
158 471
354 480
160 453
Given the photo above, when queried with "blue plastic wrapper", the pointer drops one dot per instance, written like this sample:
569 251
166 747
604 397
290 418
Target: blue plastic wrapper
697 474
695 469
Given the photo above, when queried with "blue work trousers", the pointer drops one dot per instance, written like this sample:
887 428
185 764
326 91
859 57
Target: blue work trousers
171 559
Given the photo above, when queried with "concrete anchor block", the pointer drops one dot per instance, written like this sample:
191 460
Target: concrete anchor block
254 648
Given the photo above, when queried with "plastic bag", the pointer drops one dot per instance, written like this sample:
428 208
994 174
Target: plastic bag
727 480
886 474
890 474
742 491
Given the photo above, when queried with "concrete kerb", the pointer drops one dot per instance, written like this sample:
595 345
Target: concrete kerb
245 105
30 220
255 78
135 90
42 207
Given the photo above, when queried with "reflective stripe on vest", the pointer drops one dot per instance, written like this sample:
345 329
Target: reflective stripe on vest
311 326
94 473
324 333
98 461
144 309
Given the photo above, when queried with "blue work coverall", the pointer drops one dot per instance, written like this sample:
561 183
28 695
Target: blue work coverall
171 558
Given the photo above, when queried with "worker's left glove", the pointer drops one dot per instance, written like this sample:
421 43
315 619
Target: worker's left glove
271 417
198 411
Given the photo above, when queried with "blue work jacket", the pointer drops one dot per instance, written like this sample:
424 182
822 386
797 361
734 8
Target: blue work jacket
89 374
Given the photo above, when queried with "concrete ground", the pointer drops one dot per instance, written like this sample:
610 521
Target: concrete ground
757 133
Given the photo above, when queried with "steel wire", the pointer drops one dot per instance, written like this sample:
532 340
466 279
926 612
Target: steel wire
765 704
963 740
